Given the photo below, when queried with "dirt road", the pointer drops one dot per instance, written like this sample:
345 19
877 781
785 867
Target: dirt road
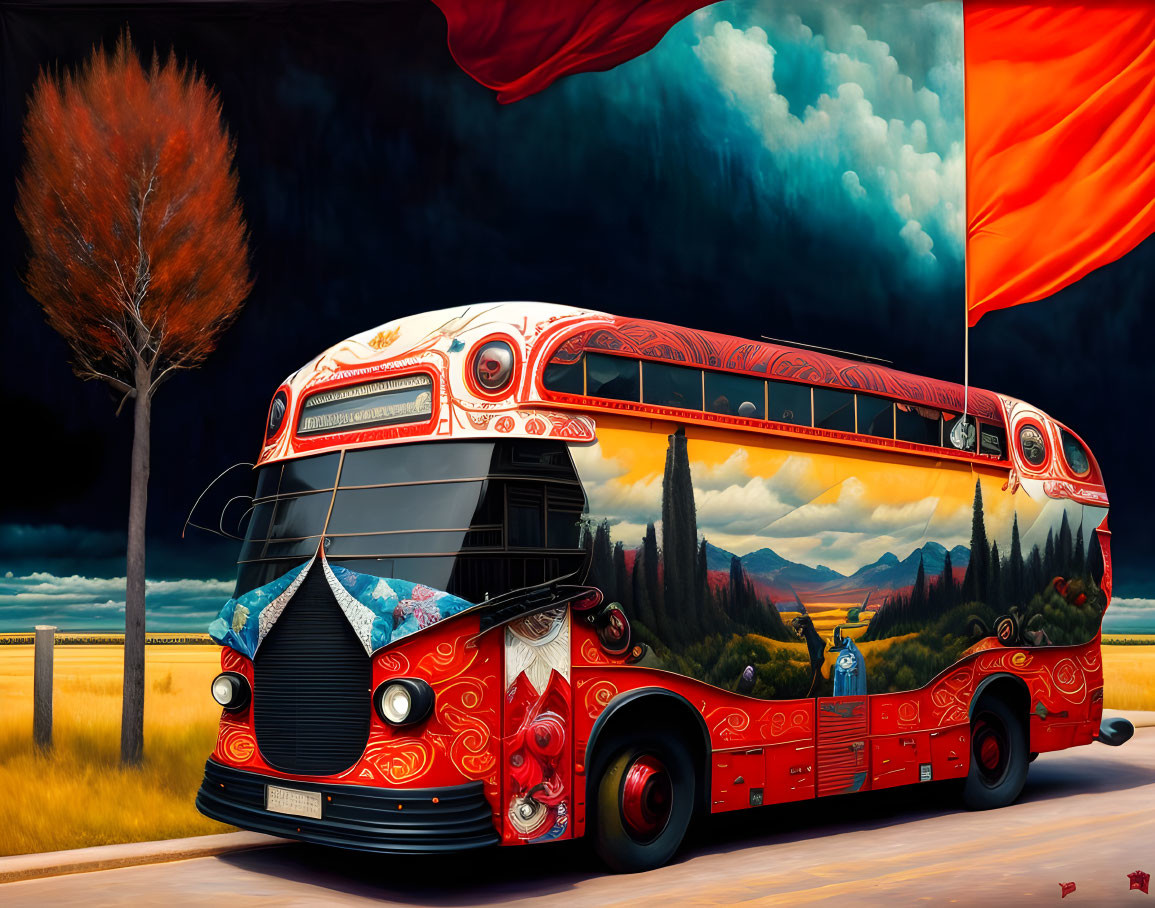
1087 816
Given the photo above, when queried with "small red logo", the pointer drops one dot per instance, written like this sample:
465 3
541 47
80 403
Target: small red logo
1139 880
1067 888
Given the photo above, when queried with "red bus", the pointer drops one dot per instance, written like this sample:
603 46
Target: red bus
518 573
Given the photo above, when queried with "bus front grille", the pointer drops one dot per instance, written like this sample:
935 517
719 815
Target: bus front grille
311 686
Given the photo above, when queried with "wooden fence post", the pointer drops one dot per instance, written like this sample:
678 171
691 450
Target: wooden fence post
42 686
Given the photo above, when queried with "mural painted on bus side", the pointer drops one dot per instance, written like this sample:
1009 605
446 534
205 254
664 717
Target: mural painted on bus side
782 568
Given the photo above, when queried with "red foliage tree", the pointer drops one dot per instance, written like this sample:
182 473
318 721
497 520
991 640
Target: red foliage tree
138 254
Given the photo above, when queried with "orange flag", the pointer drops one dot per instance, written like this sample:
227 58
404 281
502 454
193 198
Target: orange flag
1060 144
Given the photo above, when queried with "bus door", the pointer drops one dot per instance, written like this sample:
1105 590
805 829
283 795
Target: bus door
843 746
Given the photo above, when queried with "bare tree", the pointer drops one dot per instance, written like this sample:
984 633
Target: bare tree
138 255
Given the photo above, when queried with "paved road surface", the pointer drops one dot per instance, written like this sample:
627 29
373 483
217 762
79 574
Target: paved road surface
1087 815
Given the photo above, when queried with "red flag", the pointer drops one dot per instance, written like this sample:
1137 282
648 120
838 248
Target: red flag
1067 888
517 47
1060 143
1139 880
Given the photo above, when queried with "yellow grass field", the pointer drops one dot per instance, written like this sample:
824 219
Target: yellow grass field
78 795
1129 675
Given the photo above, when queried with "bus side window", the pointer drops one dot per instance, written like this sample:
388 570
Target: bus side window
789 403
612 377
735 395
992 439
833 410
875 416
569 378
671 386
921 425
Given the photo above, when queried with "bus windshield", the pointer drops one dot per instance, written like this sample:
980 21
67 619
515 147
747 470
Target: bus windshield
401 511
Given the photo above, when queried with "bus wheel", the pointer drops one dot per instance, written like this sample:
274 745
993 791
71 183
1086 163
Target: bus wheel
999 757
644 804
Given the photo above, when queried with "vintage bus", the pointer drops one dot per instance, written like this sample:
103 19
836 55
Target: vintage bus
519 573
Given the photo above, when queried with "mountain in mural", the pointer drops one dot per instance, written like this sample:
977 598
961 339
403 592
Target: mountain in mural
771 571
769 567
889 573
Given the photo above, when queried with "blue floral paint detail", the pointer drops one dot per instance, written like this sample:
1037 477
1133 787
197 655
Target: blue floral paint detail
399 608
241 631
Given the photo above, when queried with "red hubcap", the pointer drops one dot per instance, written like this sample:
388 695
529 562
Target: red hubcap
990 749
647 797
989 753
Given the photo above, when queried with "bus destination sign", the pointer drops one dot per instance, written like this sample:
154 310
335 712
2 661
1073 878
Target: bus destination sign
392 400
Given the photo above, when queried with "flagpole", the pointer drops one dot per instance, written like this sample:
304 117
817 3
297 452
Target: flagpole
966 264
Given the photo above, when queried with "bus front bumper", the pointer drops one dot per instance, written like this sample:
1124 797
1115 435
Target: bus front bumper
358 817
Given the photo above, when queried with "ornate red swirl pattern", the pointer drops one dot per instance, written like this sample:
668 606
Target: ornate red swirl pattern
235 744
399 759
908 711
592 654
950 698
449 658
232 661
393 662
598 696
462 712
727 724
787 722
1069 679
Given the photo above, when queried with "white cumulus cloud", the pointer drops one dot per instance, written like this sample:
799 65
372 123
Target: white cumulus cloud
886 141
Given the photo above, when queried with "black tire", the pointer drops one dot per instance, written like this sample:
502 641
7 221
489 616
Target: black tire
638 825
999 756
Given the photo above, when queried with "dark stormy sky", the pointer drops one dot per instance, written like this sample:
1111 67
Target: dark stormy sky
785 169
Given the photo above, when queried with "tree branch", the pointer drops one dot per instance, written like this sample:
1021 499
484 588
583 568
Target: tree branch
130 393
90 373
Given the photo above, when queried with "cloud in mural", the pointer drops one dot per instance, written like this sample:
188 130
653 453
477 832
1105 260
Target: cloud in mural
789 510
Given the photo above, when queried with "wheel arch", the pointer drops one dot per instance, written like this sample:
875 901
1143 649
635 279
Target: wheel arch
652 706
1011 689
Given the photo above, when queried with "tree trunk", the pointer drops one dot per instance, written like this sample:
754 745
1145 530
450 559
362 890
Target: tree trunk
132 711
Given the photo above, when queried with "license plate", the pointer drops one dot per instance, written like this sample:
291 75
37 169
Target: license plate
292 801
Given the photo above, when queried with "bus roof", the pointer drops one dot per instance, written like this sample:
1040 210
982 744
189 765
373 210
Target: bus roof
662 342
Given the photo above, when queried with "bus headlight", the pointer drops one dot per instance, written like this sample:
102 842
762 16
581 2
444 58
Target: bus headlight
403 701
231 690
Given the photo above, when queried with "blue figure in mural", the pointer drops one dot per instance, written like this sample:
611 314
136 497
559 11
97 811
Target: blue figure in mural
849 669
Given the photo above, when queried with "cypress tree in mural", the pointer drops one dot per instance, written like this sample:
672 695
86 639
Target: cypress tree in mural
995 591
1079 565
710 618
739 589
918 600
946 583
679 544
650 563
1016 588
1035 569
1066 550
1095 558
622 589
602 567
975 581
1049 561
642 606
